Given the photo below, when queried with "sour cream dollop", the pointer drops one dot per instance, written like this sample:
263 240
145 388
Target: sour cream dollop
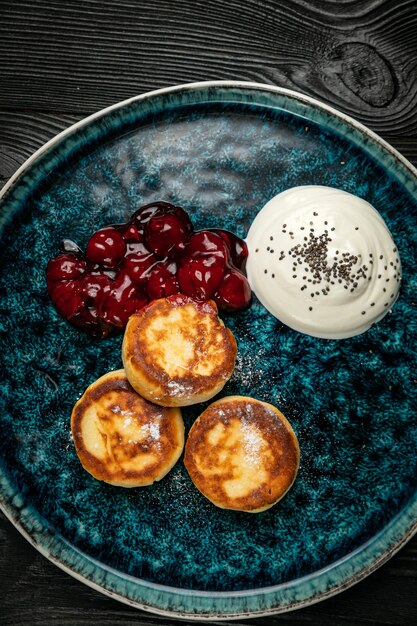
323 262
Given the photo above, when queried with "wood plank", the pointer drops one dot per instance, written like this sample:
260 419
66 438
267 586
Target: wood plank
22 133
79 57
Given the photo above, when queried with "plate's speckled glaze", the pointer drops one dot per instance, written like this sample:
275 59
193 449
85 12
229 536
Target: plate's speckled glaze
221 150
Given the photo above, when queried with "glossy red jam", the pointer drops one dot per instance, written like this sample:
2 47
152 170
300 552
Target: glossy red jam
154 255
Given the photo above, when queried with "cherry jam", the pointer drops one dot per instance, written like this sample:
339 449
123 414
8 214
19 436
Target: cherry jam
154 255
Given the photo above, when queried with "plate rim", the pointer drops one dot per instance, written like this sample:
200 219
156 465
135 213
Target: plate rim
206 85
264 592
239 614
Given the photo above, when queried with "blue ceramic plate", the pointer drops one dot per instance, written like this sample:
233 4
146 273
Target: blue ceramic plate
221 150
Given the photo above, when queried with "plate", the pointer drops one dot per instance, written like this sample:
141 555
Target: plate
221 150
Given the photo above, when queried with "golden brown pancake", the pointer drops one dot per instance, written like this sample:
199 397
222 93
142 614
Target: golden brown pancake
178 352
242 454
123 439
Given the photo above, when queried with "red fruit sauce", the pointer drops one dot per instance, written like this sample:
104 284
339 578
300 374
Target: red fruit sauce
155 255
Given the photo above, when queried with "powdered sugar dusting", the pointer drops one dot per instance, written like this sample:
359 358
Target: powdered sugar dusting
252 442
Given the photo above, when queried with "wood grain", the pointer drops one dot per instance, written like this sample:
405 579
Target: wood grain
23 132
62 61
81 56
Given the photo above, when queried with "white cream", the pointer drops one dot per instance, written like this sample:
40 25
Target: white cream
323 262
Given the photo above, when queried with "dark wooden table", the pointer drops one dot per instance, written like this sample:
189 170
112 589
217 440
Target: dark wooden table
60 61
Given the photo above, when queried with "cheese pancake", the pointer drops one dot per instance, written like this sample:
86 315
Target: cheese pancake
242 454
123 439
178 352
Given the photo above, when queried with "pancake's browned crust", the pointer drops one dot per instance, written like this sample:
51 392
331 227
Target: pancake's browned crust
177 352
242 454
123 439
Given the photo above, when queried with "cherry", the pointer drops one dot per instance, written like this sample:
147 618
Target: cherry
107 247
199 277
164 233
138 266
97 270
154 255
88 320
236 246
147 212
183 217
66 296
66 265
122 301
162 281
94 290
130 232
133 237
206 242
234 293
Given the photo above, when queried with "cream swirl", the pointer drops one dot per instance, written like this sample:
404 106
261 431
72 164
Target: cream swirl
323 261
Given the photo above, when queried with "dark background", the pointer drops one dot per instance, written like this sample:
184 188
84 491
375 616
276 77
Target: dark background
60 61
